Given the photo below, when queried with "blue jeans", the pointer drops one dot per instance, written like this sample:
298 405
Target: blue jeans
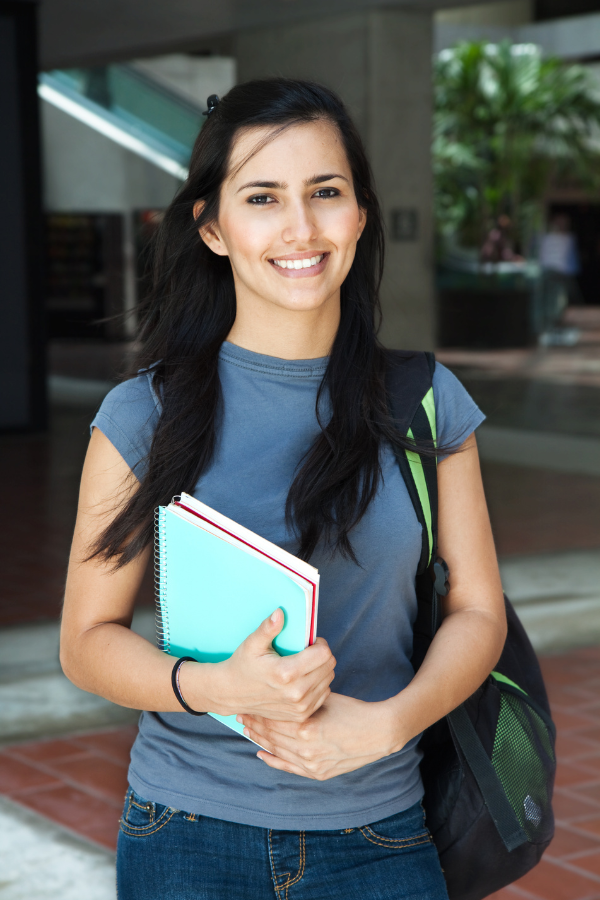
168 854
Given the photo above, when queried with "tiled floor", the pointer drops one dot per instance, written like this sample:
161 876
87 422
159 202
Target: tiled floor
80 782
77 781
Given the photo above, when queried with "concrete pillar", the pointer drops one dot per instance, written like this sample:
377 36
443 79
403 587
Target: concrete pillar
380 63
22 361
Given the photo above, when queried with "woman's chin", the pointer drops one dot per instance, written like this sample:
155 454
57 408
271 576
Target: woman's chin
303 303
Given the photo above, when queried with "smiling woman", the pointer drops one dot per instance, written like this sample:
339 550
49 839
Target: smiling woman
295 227
260 389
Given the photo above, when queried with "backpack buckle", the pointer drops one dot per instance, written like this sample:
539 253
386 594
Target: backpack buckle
440 574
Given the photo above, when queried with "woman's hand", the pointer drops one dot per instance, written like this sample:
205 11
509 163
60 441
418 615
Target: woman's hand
258 681
343 735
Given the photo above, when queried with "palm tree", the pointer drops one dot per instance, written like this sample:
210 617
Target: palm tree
508 124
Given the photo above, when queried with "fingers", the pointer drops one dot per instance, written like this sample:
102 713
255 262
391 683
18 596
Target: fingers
283 748
311 660
309 682
275 763
315 698
318 653
303 697
260 641
287 748
268 728
322 698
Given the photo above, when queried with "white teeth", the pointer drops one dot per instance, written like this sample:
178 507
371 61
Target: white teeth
298 263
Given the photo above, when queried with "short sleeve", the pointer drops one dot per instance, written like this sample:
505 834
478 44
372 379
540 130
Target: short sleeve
456 413
128 417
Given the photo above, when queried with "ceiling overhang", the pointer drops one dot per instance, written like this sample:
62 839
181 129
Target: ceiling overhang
95 32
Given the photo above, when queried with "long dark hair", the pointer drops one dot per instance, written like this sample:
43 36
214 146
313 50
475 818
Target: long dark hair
192 308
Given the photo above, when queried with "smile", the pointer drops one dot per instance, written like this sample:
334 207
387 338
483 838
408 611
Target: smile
301 267
308 263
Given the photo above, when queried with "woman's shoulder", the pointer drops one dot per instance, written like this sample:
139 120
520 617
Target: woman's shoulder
457 414
128 416
131 400
445 381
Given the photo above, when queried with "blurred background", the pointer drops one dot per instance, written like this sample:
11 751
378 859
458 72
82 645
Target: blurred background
482 123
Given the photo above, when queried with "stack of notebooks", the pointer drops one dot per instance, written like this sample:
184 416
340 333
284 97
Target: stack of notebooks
217 581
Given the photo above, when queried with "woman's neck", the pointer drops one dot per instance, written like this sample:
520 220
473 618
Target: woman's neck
285 333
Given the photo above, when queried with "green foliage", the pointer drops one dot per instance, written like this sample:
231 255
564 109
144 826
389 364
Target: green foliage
507 124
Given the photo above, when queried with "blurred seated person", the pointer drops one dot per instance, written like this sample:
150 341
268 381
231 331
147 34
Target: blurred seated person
499 244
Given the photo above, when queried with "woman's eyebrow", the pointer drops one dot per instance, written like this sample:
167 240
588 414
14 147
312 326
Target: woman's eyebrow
263 184
317 179
282 186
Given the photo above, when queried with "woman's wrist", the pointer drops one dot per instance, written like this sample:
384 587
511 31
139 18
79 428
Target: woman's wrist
397 732
197 685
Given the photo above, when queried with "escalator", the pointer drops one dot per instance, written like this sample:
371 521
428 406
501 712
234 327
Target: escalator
131 109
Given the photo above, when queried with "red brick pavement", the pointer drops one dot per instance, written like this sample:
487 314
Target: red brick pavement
77 781
80 781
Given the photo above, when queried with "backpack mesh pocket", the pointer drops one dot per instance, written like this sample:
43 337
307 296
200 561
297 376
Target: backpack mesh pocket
523 757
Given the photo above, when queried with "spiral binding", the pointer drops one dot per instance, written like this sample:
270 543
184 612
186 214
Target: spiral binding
161 618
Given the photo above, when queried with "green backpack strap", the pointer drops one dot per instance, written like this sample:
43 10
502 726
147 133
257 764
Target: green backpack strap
412 405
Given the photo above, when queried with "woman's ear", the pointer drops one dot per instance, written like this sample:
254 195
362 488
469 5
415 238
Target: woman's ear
362 221
210 233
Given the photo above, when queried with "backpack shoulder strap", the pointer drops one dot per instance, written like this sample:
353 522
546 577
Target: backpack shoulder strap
412 406
411 403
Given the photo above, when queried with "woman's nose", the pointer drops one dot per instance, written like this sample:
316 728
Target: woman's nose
300 225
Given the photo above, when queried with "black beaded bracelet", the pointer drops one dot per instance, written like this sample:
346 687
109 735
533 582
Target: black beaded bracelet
177 689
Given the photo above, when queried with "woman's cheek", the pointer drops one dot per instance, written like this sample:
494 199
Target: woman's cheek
341 227
251 238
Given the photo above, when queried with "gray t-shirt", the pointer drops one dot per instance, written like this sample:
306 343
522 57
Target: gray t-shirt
366 612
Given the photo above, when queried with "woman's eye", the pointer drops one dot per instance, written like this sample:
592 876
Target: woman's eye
260 200
325 193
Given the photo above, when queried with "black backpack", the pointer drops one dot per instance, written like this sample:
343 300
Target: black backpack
488 767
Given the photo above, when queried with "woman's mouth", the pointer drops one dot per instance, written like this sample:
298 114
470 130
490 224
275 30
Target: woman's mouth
301 266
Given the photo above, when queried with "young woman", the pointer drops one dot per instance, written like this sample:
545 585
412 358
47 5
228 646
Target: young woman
261 391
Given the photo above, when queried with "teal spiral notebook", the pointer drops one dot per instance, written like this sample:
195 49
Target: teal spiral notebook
216 581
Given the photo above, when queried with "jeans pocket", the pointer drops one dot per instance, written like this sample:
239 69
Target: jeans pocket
141 816
400 832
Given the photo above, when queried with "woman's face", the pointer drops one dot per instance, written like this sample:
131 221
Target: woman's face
288 218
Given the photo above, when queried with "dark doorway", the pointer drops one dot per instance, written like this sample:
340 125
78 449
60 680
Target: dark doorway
556 9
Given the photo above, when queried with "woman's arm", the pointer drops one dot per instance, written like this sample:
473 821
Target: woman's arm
347 733
100 653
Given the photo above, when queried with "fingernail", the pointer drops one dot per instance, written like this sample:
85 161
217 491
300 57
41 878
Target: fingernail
246 732
239 719
274 616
